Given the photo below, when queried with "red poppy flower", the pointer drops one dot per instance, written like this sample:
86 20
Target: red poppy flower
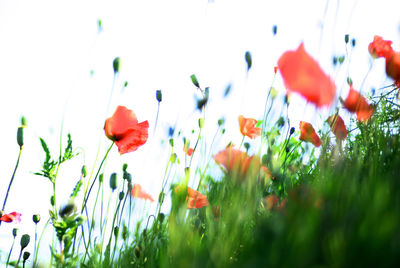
13 216
247 127
308 134
380 48
355 103
124 129
139 193
393 66
194 199
337 126
187 150
234 160
302 74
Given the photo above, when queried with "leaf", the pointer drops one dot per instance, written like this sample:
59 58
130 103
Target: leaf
76 188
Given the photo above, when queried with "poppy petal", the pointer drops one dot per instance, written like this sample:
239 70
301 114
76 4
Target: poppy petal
302 74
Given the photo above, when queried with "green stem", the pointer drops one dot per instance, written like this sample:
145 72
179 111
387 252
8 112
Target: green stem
95 178
12 178
9 254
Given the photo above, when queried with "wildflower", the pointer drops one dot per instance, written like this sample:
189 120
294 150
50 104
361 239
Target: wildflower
380 48
234 160
337 126
355 103
302 74
13 216
247 127
139 193
125 130
308 134
195 199
393 66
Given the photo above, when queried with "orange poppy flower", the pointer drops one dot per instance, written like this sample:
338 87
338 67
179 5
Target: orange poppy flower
393 66
247 127
234 160
13 216
139 193
355 103
194 199
124 129
380 48
337 126
187 150
308 134
302 74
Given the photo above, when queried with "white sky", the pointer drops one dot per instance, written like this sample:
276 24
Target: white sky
48 48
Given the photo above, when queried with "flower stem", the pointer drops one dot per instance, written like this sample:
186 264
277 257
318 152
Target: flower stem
12 178
9 254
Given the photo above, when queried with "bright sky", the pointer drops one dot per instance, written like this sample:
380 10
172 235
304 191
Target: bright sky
48 49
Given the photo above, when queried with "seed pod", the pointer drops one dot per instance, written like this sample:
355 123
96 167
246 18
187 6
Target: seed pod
292 129
113 181
346 38
25 241
116 231
116 65
121 195
101 177
247 57
159 95
20 136
201 123
36 218
26 255
52 200
15 232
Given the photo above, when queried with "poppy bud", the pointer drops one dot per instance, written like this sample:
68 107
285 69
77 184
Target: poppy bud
101 177
274 29
84 171
227 90
246 146
67 209
161 217
159 95
26 255
201 123
195 81
23 121
292 129
99 25
161 197
223 131
116 65
137 252
121 196
171 142
24 241
36 218
171 131
20 136
52 200
247 56
113 181
93 224
124 167
128 176
346 38
353 42
116 231
173 158
15 232
125 232
126 84
221 121
334 60
281 122
349 81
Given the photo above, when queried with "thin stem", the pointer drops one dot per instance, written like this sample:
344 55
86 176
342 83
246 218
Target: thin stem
95 178
12 178
9 254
